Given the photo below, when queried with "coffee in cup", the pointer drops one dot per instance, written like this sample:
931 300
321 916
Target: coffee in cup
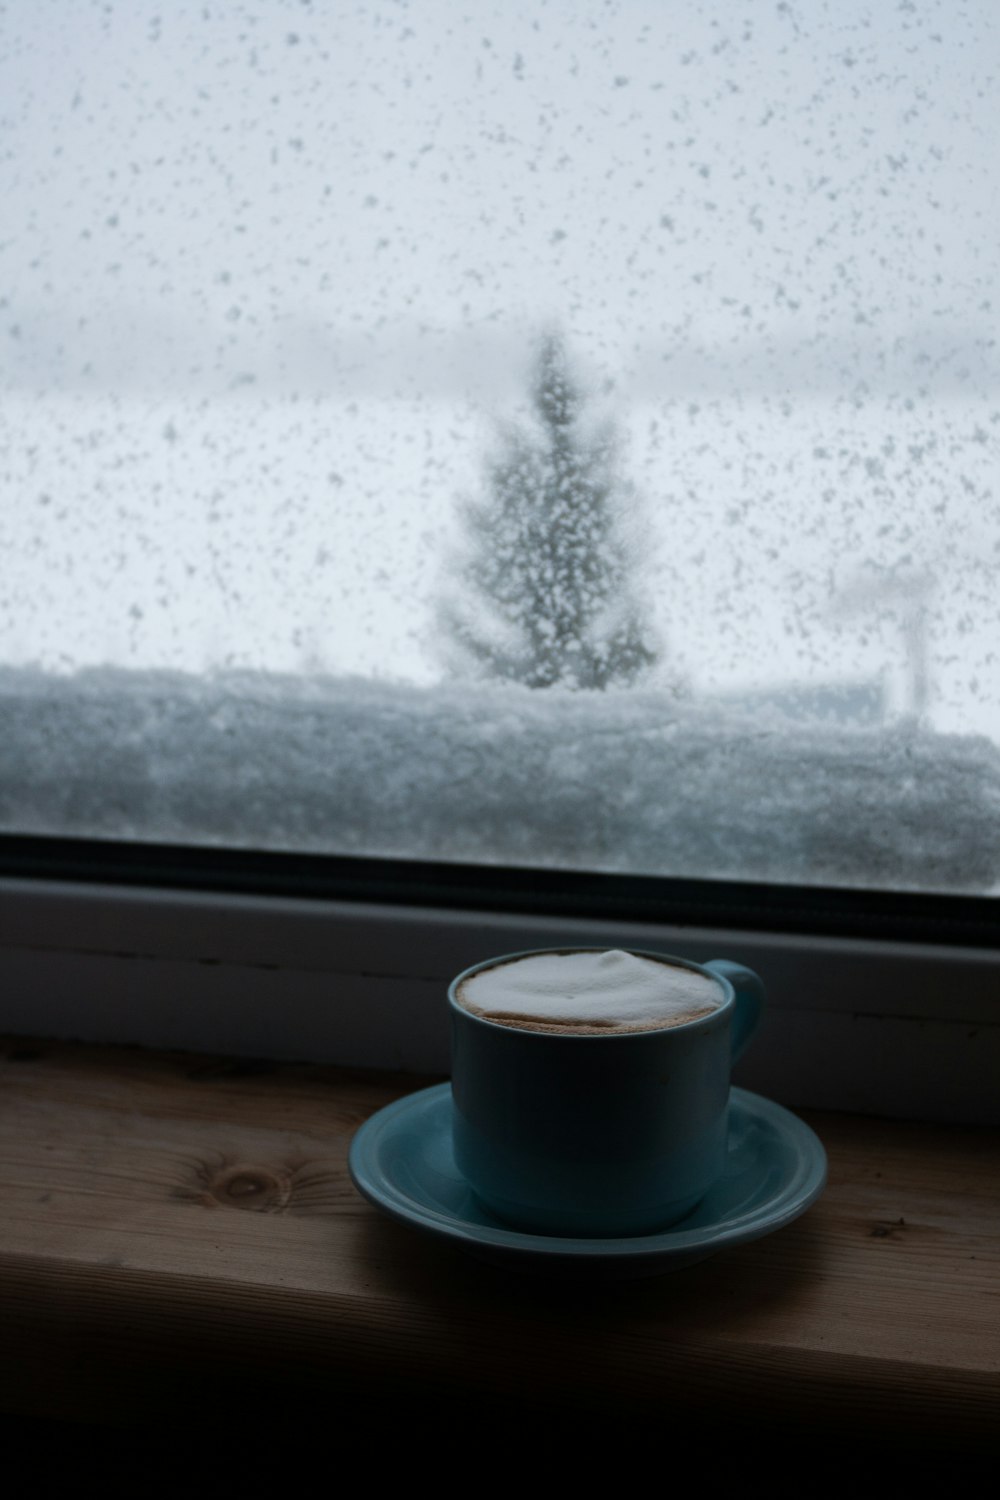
590 1086
587 992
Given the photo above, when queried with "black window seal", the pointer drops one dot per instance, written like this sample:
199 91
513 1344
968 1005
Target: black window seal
940 918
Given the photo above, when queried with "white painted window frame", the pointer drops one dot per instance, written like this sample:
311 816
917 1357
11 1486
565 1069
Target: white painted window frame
901 1029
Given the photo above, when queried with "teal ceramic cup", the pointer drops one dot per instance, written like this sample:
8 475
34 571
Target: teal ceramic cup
619 1134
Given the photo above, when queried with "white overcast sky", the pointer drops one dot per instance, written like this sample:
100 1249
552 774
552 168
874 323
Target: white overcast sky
270 272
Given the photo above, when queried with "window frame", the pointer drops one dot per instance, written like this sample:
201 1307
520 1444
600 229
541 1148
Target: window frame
347 962
879 1002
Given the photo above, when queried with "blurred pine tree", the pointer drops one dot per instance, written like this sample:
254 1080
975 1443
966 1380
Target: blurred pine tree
543 590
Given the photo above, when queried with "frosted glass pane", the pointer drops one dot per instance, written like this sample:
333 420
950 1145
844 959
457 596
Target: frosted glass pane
292 556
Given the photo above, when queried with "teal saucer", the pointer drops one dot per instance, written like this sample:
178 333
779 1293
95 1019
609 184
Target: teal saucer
401 1161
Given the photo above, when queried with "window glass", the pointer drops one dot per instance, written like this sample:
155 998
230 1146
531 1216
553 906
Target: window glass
521 432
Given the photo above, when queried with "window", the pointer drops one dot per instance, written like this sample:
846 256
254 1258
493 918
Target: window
278 280
289 297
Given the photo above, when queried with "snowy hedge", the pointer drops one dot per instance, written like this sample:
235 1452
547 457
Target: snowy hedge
612 781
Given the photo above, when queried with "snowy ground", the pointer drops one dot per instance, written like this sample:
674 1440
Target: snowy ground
618 781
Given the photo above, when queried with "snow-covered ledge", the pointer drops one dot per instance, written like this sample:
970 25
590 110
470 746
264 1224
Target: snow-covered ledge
632 782
893 1029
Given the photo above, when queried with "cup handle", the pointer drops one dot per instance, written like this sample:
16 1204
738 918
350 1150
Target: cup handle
749 999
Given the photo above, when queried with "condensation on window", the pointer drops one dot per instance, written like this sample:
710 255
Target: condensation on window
594 405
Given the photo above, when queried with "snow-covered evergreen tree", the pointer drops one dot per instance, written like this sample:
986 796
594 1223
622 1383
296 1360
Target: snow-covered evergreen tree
543 592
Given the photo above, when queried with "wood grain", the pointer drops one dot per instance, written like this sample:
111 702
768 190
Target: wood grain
179 1230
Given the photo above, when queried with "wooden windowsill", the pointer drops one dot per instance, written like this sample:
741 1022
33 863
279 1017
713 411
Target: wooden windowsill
174 1226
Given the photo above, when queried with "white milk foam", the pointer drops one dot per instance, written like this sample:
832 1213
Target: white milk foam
591 991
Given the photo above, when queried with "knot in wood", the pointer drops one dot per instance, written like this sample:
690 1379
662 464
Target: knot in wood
254 1188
